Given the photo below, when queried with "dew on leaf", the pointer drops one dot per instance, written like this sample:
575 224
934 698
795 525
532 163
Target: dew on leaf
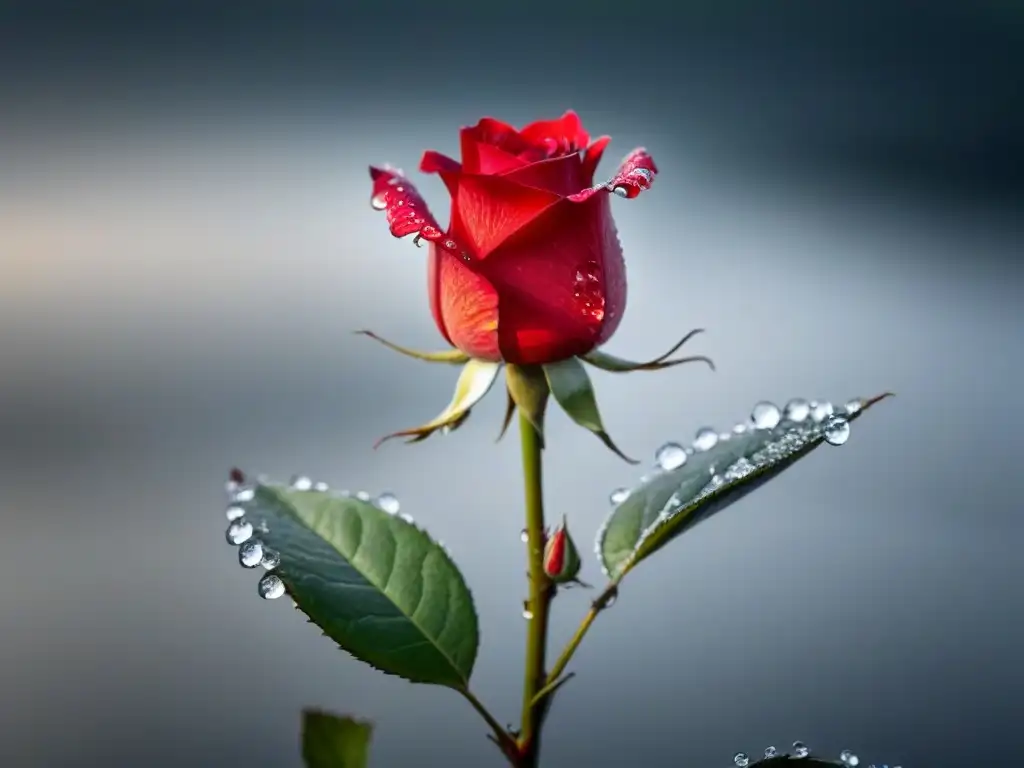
854 405
740 760
406 517
301 483
270 587
321 486
363 496
379 201
821 411
837 430
739 429
770 752
235 512
238 532
705 439
616 497
250 554
800 749
271 559
244 494
846 757
670 456
797 410
388 502
765 415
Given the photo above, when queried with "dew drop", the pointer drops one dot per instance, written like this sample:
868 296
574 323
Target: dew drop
239 531
271 559
852 406
527 613
770 752
588 290
524 536
821 411
234 513
406 517
741 760
363 496
379 201
846 757
301 483
797 410
621 191
670 456
271 587
388 502
245 494
837 430
705 439
616 497
321 486
800 749
765 415
610 600
739 429
250 554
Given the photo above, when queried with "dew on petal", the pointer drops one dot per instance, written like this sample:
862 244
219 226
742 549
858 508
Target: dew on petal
379 201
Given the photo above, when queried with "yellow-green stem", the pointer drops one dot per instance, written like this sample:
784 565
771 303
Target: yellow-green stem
539 602
563 659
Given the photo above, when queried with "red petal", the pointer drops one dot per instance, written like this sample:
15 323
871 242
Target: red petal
561 136
489 209
491 146
592 157
562 283
448 169
562 175
406 211
464 304
554 556
634 176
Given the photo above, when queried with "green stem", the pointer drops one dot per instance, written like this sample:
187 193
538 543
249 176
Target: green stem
539 601
501 737
563 659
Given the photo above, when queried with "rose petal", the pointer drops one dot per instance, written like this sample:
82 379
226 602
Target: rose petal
489 209
634 176
592 157
407 213
443 166
464 304
562 136
562 175
491 146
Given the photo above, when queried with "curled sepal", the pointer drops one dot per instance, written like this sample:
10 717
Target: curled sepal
474 382
449 356
377 585
635 174
561 558
528 389
406 210
719 472
614 364
333 741
570 386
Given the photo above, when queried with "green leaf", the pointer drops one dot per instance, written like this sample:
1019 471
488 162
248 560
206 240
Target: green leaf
374 583
672 502
570 386
330 741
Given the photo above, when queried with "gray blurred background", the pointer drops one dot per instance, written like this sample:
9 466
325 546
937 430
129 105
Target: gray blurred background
186 245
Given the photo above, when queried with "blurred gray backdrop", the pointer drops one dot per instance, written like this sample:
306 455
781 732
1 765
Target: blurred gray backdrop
186 245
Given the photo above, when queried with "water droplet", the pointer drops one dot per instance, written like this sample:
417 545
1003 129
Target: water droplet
271 587
618 496
797 409
524 536
301 483
527 613
705 439
321 486
610 600
724 436
245 494
741 760
621 191
821 411
363 496
588 291
739 429
234 513
800 749
852 406
271 559
262 527
239 531
670 456
379 201
716 482
837 430
250 554
846 757
765 415
388 502
770 752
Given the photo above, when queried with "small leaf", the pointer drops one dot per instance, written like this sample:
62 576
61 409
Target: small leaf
528 388
674 501
614 364
330 741
570 386
375 584
474 382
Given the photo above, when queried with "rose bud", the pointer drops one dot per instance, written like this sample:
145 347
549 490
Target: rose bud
561 558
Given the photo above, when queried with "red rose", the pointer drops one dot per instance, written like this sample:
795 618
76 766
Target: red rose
530 270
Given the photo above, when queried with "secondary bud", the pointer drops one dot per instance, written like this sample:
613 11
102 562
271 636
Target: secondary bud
561 558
